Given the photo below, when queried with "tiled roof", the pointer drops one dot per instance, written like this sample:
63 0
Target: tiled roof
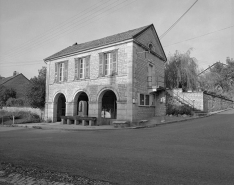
100 42
4 80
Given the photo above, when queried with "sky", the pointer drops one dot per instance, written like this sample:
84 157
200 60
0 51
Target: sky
31 30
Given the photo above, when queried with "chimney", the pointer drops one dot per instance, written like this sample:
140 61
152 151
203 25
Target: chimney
15 73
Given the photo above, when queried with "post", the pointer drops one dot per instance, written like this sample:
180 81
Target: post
13 120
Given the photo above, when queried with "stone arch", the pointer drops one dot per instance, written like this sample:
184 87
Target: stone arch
80 95
103 90
59 106
107 105
77 93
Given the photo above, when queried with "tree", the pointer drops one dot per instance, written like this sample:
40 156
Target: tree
5 94
220 79
181 71
36 91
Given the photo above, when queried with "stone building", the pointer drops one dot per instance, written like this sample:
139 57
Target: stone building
18 82
119 77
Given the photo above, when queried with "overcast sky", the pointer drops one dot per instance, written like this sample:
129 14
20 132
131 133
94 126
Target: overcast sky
31 30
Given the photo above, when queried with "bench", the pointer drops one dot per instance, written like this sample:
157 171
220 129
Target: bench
77 119
119 123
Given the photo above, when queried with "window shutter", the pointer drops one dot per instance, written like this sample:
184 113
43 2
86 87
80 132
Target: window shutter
87 66
76 68
114 63
101 59
56 73
65 76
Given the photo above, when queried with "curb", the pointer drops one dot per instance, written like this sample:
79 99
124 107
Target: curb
169 122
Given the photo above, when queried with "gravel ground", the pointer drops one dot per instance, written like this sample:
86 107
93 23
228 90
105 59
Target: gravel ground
48 176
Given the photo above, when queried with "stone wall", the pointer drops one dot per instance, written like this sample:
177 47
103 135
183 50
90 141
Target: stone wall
140 86
203 101
215 103
120 84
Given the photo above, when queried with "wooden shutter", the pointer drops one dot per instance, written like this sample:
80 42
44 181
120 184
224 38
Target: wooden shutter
56 73
114 63
87 67
65 76
101 66
76 68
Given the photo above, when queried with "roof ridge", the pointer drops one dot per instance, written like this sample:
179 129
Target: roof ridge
111 39
113 35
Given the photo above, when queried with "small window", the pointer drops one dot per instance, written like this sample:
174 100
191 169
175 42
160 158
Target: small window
150 47
145 100
142 99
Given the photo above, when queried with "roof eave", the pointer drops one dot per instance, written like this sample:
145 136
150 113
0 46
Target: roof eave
152 52
87 50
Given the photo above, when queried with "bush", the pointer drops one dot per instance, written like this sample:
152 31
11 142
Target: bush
29 117
18 102
5 94
22 117
178 109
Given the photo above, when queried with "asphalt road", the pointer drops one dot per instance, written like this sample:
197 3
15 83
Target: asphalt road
198 151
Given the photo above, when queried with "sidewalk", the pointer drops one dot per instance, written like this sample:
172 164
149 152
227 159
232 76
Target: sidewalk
145 124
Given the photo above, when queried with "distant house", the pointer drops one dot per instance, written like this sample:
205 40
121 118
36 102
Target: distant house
119 77
18 82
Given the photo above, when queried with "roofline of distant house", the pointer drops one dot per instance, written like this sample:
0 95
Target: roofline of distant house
14 77
102 47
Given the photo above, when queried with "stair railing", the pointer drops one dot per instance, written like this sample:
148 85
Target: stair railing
185 100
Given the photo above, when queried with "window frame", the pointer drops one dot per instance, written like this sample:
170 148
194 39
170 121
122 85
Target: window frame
61 68
108 63
83 62
82 73
148 100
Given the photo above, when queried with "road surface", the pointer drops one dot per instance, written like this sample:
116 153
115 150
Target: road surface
198 151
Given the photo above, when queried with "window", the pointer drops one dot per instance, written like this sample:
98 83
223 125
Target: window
108 60
151 47
150 74
82 62
108 63
61 71
82 66
144 100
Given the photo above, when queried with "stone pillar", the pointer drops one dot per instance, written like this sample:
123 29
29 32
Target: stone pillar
69 108
49 111
54 110
94 111
122 111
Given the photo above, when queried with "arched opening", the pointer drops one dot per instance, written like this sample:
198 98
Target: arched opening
109 106
81 104
61 106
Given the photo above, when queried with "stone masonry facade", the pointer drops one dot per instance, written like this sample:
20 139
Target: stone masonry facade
129 83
